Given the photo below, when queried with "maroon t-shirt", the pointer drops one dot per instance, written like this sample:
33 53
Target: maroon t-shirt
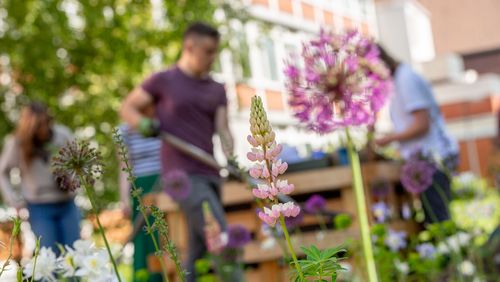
185 107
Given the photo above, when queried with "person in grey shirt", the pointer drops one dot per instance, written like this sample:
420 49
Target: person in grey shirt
419 127
53 215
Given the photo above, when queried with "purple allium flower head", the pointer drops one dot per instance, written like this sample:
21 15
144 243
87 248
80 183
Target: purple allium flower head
76 162
416 175
381 211
238 236
395 240
343 81
177 184
315 204
426 250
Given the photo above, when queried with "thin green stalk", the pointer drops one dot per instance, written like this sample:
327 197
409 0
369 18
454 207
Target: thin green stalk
162 227
149 230
37 250
136 194
90 195
359 191
321 222
290 247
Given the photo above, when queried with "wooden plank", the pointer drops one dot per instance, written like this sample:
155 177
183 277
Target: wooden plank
319 180
255 254
247 218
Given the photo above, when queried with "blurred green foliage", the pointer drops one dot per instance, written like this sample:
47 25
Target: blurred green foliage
82 57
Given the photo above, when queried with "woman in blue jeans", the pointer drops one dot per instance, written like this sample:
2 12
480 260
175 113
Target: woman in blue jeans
53 215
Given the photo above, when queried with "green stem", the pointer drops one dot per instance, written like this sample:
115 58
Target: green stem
321 222
290 247
359 191
94 210
37 250
155 242
123 154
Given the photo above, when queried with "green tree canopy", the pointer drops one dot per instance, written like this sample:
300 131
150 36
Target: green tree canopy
82 57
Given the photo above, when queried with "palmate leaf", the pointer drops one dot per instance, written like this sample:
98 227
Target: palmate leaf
324 262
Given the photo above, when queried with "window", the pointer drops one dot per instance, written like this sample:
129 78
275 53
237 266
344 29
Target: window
268 53
240 55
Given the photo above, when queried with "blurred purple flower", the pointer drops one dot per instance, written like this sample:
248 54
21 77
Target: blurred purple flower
315 204
416 175
343 81
406 211
426 250
238 236
381 188
395 240
177 184
292 222
381 211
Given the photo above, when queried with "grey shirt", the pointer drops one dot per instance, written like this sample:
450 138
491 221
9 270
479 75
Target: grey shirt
37 181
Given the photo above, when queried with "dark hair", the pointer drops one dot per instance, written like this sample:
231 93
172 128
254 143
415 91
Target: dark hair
201 29
32 115
389 60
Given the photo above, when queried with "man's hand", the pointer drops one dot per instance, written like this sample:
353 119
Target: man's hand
149 127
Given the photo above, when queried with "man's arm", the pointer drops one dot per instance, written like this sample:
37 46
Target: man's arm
131 108
222 128
420 126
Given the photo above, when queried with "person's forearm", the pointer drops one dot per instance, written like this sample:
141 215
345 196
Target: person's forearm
130 110
131 115
7 190
416 130
227 142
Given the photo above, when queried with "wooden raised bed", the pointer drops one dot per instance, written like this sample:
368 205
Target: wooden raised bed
335 183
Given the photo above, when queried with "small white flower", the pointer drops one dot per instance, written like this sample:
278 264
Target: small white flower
443 249
467 268
66 263
402 267
453 244
46 264
463 239
94 265
82 249
106 277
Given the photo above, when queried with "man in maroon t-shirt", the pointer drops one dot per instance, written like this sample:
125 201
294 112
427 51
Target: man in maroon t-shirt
191 106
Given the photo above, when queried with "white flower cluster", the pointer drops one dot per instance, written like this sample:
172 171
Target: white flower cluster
82 260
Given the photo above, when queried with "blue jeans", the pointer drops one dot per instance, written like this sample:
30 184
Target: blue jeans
55 223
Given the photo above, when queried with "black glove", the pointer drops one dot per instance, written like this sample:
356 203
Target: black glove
149 127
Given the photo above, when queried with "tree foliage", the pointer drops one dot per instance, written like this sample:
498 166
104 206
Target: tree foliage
81 57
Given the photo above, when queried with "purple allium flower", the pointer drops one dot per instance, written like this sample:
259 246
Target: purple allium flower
76 162
426 250
343 81
416 175
381 211
238 235
315 204
177 184
381 188
395 240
